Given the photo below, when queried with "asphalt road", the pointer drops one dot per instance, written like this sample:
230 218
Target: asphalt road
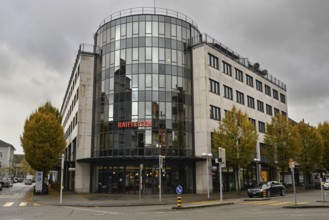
15 206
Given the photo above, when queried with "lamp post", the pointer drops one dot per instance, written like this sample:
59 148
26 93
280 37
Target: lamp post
207 155
61 187
257 160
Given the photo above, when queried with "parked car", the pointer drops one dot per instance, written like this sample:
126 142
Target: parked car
271 188
326 184
6 182
28 182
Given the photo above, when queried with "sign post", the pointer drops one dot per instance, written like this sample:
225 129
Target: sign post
179 191
39 182
222 163
292 167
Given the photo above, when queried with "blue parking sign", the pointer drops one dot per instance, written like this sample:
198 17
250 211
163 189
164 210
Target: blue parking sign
179 189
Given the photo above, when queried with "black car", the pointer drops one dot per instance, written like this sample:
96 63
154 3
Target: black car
271 188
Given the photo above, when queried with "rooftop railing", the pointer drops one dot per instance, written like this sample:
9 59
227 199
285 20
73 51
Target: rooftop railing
148 11
242 60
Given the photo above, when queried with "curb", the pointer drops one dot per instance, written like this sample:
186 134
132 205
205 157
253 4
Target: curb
306 206
202 206
257 199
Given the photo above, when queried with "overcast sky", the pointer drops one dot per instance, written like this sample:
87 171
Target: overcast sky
39 40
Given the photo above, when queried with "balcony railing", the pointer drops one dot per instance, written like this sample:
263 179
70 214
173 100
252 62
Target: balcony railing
148 11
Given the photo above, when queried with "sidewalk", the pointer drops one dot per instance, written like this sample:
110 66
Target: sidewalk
120 200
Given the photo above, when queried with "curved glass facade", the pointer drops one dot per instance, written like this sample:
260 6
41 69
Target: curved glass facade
144 87
143 104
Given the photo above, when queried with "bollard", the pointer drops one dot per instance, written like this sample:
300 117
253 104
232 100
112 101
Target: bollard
179 202
264 194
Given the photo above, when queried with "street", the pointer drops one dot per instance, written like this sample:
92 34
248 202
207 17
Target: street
15 205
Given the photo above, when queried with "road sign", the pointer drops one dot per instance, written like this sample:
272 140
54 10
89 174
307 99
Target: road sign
179 190
291 164
222 156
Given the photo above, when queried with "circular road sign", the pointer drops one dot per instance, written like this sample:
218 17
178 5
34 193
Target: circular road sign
179 189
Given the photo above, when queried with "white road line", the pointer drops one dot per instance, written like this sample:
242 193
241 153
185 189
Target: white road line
90 210
8 204
23 204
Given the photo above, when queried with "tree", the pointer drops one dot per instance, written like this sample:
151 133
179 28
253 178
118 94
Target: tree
43 138
282 142
311 150
237 135
323 129
26 168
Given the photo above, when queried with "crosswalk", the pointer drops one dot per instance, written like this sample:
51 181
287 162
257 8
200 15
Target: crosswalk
18 204
272 203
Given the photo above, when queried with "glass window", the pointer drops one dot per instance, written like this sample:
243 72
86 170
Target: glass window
148 108
135 54
148 28
168 111
141 110
117 32
134 110
123 30
148 53
141 54
155 55
148 79
155 81
161 28
155 29
173 30
148 137
161 54
141 28
135 28
141 84
129 30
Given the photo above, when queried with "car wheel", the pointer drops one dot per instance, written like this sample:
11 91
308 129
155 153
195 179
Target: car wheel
283 192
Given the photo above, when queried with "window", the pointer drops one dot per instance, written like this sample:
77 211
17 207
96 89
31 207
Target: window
249 81
215 113
240 97
283 113
269 110
214 86
261 127
228 92
260 106
267 90
282 98
259 85
239 75
253 122
276 111
251 102
213 61
227 69
275 94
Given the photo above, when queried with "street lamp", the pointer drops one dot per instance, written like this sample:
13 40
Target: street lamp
257 160
207 155
62 176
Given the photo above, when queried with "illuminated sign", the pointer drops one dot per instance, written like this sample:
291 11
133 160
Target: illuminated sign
134 124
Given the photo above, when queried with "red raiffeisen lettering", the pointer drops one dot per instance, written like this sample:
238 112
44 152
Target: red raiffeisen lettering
131 124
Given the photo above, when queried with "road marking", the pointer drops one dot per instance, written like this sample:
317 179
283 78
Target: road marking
282 203
8 204
97 211
23 204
